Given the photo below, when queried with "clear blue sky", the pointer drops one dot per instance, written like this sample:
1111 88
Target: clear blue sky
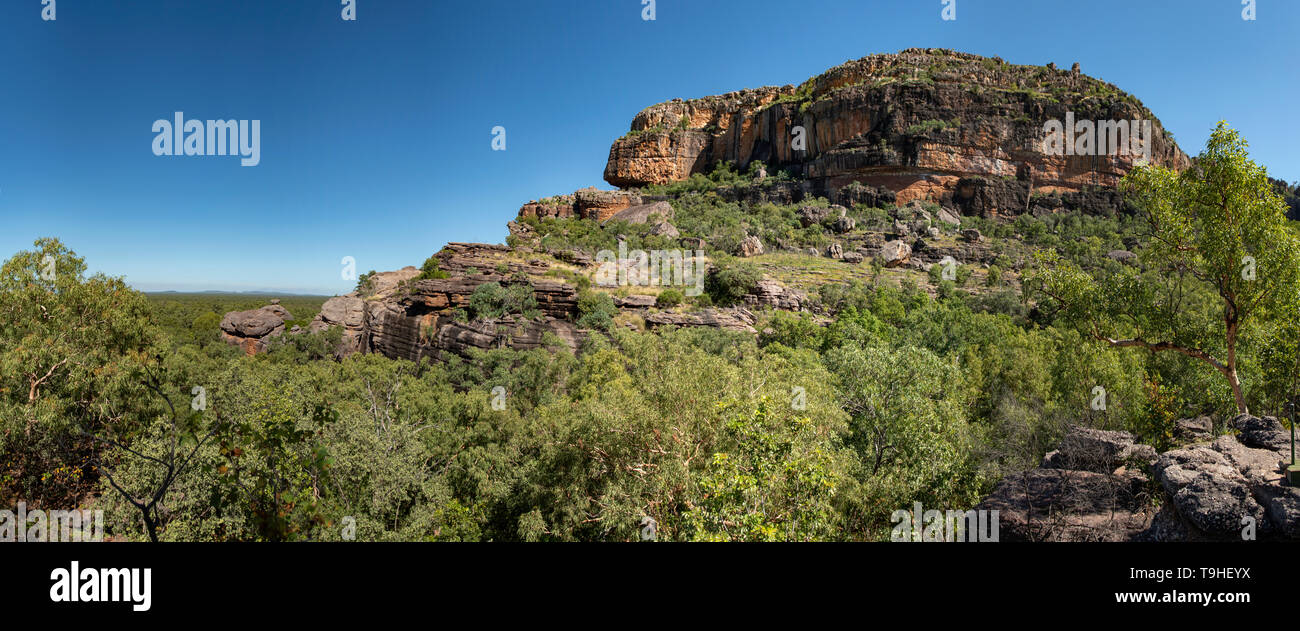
376 134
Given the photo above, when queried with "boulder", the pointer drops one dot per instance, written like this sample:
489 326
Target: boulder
853 257
772 294
1100 451
896 253
812 215
971 235
664 229
348 312
1193 428
842 225
1208 491
750 246
643 213
835 251
635 301
1263 432
1122 256
250 329
948 217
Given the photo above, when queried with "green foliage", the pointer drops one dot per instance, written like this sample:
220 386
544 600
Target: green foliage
206 328
72 351
492 300
925 127
776 482
1156 424
908 429
431 269
273 459
1222 265
728 282
994 277
596 310
670 298
363 283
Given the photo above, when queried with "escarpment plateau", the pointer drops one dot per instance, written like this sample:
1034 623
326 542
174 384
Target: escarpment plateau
921 123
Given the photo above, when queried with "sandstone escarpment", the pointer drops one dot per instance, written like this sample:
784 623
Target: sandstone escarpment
402 315
916 123
419 317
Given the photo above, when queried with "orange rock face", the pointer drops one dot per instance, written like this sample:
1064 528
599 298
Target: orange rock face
916 122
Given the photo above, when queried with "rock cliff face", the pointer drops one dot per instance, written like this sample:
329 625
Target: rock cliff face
924 124
402 316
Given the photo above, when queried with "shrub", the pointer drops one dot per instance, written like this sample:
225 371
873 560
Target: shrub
596 309
492 300
728 283
363 283
670 298
430 269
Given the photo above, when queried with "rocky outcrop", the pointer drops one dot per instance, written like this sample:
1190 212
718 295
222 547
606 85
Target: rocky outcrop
560 206
1099 451
664 229
1209 490
961 130
1069 505
411 325
347 312
1099 485
383 284
251 329
588 203
812 215
642 213
728 319
508 332
1194 428
772 294
750 246
1091 488
895 253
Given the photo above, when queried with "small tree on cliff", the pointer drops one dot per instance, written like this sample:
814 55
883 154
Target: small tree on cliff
1221 259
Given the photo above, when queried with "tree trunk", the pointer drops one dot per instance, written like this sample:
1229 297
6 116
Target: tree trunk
1231 321
1236 390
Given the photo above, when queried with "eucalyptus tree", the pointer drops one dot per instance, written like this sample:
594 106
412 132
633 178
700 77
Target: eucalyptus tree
1220 262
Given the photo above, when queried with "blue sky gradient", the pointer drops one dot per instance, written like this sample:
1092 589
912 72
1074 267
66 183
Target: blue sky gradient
376 134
